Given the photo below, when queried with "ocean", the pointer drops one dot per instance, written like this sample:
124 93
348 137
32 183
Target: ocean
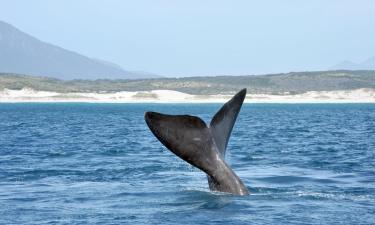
82 163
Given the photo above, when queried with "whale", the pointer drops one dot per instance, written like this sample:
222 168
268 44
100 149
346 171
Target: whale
201 145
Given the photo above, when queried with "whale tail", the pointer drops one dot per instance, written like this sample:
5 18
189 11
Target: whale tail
192 140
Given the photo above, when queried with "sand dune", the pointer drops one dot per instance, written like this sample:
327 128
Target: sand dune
168 96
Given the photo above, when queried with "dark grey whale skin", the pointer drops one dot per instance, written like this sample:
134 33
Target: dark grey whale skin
202 146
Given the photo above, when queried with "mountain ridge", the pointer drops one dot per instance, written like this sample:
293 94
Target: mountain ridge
25 54
368 64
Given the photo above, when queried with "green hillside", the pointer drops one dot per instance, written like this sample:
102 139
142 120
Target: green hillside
296 82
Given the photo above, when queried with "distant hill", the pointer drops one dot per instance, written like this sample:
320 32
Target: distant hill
24 54
368 64
289 83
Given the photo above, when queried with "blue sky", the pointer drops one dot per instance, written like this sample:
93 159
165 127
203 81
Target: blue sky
204 37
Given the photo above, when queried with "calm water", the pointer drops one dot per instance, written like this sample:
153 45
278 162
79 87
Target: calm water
99 164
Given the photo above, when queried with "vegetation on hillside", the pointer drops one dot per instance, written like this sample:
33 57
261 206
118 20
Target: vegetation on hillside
292 83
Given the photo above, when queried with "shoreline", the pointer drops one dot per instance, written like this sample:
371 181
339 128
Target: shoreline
197 103
28 95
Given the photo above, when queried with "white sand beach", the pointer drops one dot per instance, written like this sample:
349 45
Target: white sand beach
169 96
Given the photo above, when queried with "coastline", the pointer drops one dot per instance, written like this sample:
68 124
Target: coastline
28 95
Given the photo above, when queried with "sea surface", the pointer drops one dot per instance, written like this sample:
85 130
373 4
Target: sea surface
77 163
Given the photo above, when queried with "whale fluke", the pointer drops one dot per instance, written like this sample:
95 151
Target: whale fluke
186 136
222 123
192 140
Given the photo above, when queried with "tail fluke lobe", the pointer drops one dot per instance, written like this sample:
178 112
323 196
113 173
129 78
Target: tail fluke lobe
222 123
186 136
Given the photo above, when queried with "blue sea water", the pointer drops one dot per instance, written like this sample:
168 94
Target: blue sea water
77 163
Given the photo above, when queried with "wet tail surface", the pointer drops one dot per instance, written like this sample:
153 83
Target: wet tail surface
192 140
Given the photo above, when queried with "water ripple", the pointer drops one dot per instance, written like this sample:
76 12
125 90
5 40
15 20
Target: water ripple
99 164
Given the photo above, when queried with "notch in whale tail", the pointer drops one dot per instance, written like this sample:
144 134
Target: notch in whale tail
192 140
